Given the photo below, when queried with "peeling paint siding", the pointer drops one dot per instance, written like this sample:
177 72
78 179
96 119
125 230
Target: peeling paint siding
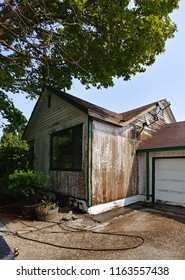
114 164
69 183
142 173
150 130
59 116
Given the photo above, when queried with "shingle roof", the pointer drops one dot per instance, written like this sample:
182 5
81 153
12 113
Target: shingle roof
132 113
171 135
86 106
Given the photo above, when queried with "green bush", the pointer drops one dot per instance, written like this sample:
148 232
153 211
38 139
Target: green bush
15 154
27 183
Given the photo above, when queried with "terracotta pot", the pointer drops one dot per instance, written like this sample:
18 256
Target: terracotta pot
47 215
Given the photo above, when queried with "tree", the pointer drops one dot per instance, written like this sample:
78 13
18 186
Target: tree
16 120
51 42
15 154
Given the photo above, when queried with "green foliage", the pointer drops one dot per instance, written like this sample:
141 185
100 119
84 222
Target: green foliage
47 204
26 183
14 154
52 42
16 120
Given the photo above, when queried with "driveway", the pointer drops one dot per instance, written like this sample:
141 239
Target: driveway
135 232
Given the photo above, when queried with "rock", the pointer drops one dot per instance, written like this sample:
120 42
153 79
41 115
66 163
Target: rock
67 216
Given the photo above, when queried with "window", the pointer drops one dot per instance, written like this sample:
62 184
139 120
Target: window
66 149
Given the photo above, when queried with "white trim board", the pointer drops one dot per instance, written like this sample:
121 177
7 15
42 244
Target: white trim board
104 207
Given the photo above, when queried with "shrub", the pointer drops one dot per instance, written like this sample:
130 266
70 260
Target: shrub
27 183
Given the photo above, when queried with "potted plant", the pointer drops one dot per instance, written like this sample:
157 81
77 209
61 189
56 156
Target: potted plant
47 211
27 186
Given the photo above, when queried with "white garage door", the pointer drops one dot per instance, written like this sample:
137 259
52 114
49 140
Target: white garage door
170 181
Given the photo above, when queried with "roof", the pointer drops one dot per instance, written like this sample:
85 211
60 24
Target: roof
84 105
95 111
169 136
89 107
135 112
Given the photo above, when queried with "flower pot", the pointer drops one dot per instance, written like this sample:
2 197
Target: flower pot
47 215
28 210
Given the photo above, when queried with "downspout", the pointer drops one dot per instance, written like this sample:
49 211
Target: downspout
89 163
147 176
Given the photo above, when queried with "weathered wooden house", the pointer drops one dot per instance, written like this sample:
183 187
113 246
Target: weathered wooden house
90 152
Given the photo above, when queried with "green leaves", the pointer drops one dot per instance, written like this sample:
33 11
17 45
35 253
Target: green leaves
27 183
15 118
52 42
14 154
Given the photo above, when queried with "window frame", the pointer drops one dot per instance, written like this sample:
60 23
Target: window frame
58 133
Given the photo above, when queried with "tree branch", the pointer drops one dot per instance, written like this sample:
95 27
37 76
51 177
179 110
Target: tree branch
39 58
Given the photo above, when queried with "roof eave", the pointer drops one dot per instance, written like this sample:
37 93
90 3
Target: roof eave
104 118
138 115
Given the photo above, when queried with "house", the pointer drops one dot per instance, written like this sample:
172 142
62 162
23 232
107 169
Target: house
90 152
162 165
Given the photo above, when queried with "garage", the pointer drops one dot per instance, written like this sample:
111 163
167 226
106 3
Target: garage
161 166
170 181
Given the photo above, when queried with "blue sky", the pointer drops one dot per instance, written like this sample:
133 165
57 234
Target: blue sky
164 79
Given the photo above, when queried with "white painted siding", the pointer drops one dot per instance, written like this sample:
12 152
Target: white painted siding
59 116
44 122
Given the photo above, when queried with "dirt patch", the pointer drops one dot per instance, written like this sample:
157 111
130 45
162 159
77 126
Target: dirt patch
136 234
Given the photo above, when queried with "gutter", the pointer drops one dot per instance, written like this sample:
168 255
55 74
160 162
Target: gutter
172 148
89 163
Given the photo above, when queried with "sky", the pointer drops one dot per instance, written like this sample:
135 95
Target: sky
164 79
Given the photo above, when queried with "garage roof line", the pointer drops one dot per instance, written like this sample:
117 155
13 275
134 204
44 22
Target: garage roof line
170 137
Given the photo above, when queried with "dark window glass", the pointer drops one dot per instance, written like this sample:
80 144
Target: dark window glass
66 149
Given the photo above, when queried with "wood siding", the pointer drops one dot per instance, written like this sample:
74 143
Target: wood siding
45 121
109 162
154 125
114 159
114 163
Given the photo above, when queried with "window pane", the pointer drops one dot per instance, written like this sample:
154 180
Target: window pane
77 147
66 148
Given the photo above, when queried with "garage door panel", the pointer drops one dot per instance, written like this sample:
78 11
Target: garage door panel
171 164
170 175
170 180
170 197
169 185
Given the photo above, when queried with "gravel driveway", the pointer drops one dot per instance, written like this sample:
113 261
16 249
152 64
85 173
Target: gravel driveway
127 233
